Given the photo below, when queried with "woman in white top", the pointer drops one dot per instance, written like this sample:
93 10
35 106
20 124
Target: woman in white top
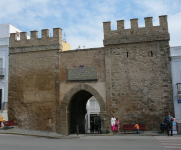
113 122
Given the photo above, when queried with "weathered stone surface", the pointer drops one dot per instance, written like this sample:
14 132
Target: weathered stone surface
34 82
137 82
133 71
135 34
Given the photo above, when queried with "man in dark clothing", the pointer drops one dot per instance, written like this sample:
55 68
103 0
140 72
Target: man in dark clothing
168 123
96 127
92 127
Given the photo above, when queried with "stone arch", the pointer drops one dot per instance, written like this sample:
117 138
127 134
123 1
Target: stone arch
64 112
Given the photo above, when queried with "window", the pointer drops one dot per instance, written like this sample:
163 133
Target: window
151 54
1 99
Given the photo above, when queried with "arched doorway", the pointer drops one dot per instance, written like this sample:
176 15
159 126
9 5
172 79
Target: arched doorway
73 108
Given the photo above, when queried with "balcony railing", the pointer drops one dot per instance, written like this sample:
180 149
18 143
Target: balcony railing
2 72
179 89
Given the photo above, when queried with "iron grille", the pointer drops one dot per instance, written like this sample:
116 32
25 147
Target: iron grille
179 88
2 72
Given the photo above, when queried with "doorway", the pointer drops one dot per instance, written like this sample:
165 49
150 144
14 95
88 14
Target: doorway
73 109
77 111
92 116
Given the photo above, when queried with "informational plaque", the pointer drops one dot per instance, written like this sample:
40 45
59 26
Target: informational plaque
82 74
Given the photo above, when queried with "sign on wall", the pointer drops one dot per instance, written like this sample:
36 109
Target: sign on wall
82 74
179 99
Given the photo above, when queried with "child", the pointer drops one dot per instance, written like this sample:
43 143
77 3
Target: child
1 118
137 128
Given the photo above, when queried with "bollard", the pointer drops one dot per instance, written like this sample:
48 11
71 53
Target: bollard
77 130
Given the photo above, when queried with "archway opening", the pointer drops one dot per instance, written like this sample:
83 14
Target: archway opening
92 117
77 111
73 109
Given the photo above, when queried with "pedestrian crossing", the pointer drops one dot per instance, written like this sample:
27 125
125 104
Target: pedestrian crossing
170 142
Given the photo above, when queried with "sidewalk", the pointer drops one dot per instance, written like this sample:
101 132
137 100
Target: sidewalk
47 134
131 133
28 132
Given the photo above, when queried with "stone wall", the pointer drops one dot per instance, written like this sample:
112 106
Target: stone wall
133 70
34 81
89 58
139 85
72 60
136 34
138 72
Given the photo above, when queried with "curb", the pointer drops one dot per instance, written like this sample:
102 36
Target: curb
129 135
79 136
53 137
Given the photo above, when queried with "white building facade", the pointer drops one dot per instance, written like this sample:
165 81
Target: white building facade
93 113
5 30
175 54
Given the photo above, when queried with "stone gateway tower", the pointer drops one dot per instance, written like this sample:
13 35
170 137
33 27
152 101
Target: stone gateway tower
130 77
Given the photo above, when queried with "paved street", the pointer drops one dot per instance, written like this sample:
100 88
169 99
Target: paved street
18 142
170 143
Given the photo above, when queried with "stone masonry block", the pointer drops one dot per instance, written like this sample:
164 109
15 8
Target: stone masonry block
34 34
134 23
45 33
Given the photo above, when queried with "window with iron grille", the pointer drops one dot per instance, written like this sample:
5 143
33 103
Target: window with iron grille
179 89
2 72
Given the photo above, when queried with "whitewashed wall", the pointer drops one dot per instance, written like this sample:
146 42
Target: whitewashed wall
4 59
175 54
5 30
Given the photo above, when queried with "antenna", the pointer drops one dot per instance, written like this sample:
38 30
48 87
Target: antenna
64 38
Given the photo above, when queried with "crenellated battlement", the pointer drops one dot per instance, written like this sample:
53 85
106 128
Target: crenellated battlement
43 43
136 34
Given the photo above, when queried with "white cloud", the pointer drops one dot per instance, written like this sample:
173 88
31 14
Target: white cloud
170 8
82 20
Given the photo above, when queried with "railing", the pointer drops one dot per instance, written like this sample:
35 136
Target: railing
179 89
2 72
4 106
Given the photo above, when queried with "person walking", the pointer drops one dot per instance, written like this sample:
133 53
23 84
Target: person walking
117 125
137 128
168 123
96 127
113 122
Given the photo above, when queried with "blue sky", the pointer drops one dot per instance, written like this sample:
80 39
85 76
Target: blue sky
81 20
